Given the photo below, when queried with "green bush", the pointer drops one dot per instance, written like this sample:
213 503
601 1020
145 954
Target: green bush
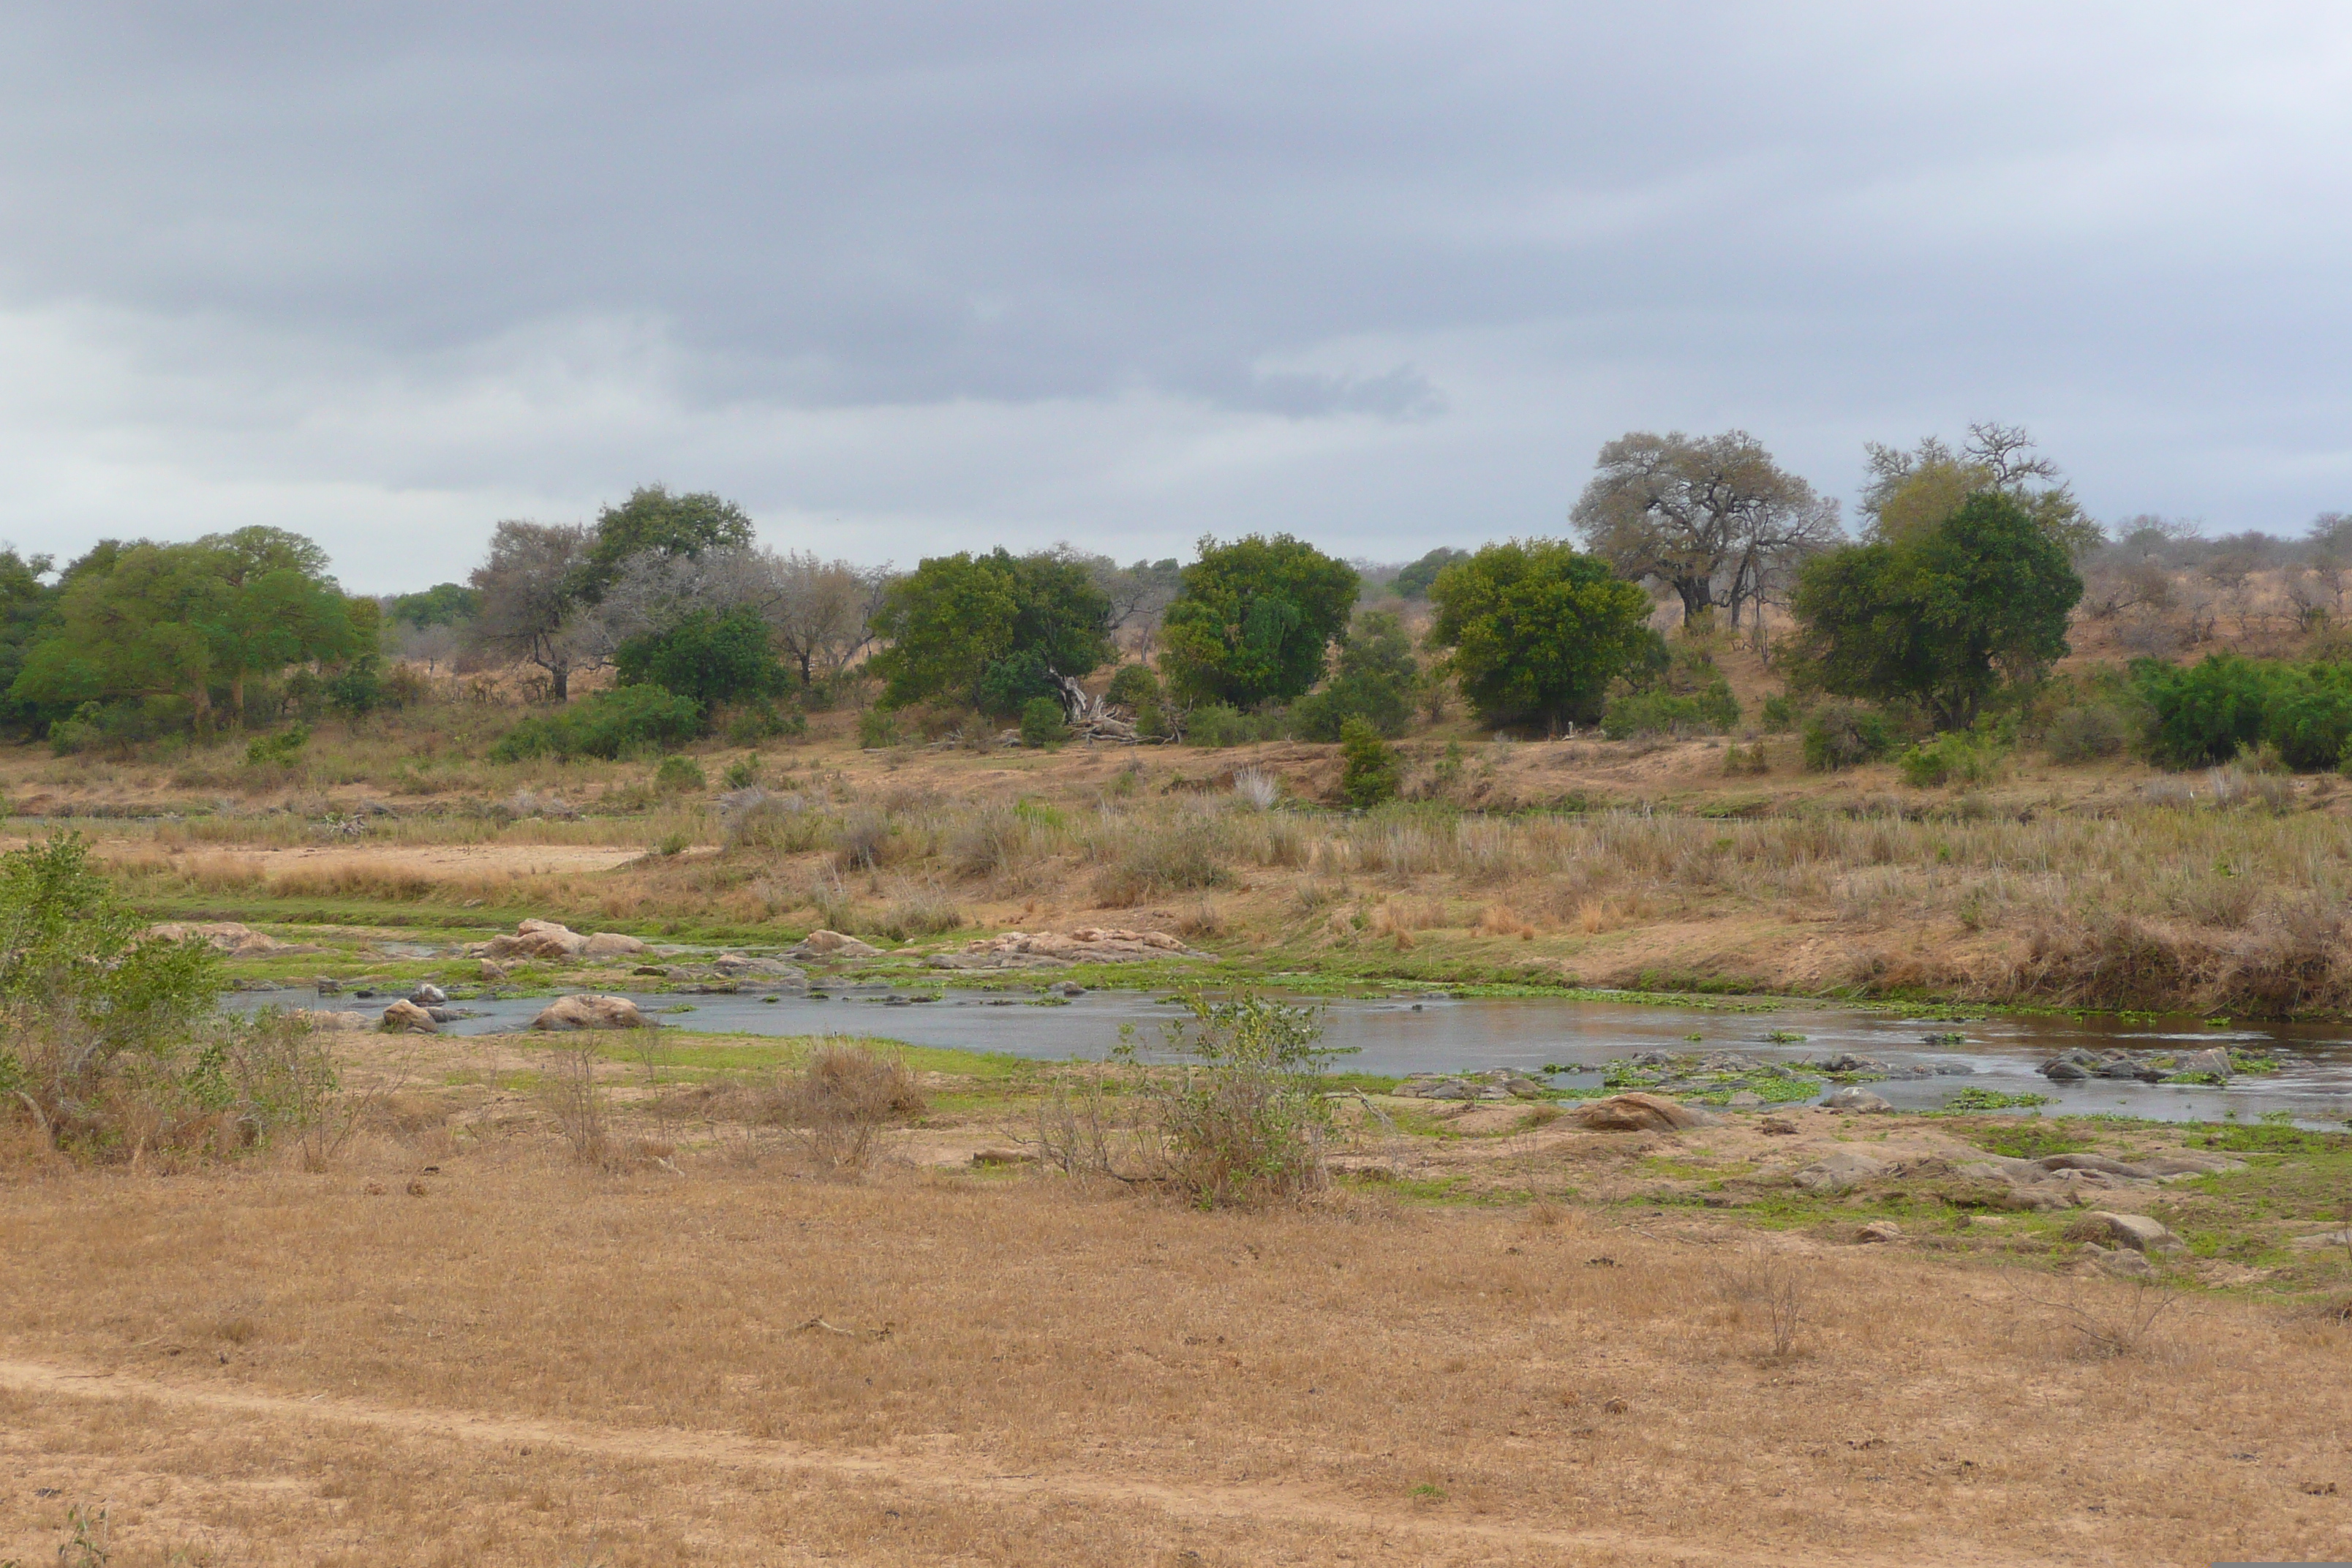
2227 706
1709 711
2085 732
1368 770
680 775
711 658
1217 725
876 728
757 722
1844 735
1953 757
1375 682
1782 713
1132 687
742 774
1042 723
615 723
1245 1122
283 747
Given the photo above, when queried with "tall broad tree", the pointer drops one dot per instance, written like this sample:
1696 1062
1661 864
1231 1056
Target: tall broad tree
654 520
531 589
144 625
1535 631
282 609
1908 492
1942 615
993 630
1713 518
1254 620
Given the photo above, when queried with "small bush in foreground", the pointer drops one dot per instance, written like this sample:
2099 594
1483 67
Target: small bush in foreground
1242 1122
838 1105
1953 757
1042 724
1368 770
283 747
2085 733
680 775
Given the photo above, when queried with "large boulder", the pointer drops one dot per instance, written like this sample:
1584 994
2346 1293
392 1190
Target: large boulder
735 966
1636 1113
2136 1231
1840 1169
585 1011
612 944
405 1017
1855 1100
536 939
2213 1059
833 944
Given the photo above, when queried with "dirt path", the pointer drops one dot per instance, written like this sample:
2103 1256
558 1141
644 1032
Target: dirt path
1270 1504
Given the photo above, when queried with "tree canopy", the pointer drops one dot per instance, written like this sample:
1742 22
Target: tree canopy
529 589
990 630
1254 620
654 520
710 657
1536 630
1413 582
1712 518
1908 492
1942 615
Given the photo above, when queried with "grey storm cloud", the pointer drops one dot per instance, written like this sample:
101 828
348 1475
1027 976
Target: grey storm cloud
911 278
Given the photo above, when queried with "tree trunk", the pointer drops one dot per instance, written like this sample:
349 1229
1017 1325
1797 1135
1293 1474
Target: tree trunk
237 697
561 674
1698 595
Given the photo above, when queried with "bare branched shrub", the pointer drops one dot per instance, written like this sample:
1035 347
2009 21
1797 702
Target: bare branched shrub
1257 787
2109 1320
1080 1129
1180 858
1240 1121
838 1106
1771 1284
576 1101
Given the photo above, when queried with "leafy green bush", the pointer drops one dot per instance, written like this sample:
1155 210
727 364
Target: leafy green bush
1844 735
1132 685
1042 723
757 722
1657 713
280 748
1217 725
1782 713
2226 705
1369 771
1952 757
878 727
625 719
1375 682
1244 1122
742 774
2086 732
680 775
113 1046
711 658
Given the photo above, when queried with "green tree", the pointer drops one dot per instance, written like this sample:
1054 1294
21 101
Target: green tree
143 627
991 630
652 519
1536 631
1375 681
442 604
1413 582
710 658
1367 769
1942 615
1910 492
25 603
1254 620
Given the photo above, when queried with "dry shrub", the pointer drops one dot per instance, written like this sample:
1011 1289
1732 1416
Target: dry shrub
2289 960
572 1096
836 1107
919 911
1501 920
1395 916
1181 858
1772 1286
1242 1122
774 825
1203 920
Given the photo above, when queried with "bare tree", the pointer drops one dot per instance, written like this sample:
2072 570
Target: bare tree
819 613
824 615
1713 519
529 588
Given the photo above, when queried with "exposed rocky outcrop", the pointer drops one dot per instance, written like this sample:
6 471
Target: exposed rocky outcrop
590 1012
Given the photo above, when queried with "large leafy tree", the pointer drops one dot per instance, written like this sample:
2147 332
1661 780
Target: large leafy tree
1254 620
1942 615
1536 630
281 608
24 603
652 519
993 630
1910 492
710 657
1713 518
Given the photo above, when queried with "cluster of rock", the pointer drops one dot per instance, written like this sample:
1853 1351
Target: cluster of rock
1059 950
1845 1064
548 939
729 973
2210 1065
225 936
1496 1083
831 944
2052 1182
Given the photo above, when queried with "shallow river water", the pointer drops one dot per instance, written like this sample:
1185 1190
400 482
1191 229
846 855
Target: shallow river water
1437 1034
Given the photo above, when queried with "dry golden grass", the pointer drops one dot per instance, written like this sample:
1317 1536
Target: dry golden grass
456 1345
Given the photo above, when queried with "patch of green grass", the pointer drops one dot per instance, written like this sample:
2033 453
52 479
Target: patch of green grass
2029 1140
1992 1099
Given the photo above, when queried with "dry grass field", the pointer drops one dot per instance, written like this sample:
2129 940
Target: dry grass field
456 1342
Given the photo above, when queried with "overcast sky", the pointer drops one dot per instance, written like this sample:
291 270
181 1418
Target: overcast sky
907 279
